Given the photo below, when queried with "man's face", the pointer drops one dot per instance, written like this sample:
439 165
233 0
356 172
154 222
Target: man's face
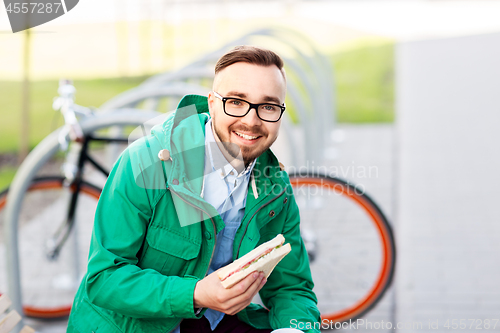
255 84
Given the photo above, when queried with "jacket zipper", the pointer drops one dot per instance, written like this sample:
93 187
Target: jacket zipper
246 228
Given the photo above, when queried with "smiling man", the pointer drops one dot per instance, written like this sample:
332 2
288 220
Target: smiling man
149 269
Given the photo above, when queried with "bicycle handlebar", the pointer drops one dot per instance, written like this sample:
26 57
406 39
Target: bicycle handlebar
65 103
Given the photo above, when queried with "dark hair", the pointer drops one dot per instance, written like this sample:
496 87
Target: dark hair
252 55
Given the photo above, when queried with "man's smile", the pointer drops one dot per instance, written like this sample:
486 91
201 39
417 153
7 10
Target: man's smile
247 136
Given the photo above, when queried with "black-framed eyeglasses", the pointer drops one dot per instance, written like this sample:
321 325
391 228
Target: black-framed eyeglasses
237 107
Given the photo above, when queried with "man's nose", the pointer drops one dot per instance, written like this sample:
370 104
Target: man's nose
251 118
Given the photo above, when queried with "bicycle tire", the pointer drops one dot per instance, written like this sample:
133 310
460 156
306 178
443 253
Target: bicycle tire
355 241
45 192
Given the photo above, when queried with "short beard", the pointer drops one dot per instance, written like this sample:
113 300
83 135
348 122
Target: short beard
234 150
247 158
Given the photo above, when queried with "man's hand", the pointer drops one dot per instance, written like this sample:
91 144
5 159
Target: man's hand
209 293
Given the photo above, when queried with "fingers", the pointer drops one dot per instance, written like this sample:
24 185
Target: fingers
210 293
258 283
247 289
247 283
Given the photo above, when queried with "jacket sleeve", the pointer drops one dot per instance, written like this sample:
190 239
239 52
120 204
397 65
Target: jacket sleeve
114 280
288 292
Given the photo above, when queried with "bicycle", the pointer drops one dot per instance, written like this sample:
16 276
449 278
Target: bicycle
377 269
56 202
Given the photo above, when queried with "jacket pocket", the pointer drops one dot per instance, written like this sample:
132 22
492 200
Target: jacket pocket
169 252
86 319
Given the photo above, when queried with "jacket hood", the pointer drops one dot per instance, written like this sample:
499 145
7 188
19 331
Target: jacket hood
190 107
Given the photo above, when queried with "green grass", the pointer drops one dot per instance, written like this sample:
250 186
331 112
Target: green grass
6 176
364 81
364 84
43 119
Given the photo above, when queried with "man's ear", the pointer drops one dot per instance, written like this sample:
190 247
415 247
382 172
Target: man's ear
211 100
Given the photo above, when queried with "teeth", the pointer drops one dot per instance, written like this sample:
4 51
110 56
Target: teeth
248 137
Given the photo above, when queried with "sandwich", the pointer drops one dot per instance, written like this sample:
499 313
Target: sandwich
261 259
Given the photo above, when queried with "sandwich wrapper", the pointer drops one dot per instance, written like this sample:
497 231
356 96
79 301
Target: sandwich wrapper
262 259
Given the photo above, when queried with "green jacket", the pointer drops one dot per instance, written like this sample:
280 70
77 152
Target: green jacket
143 265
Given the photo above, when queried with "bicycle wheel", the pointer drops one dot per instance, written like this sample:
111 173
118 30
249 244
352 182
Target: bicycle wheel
49 286
355 247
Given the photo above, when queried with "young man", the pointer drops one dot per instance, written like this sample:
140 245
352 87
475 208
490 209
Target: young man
166 223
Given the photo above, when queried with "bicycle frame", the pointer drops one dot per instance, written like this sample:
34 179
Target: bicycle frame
58 240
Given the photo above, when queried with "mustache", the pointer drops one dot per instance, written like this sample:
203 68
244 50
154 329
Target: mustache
242 128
